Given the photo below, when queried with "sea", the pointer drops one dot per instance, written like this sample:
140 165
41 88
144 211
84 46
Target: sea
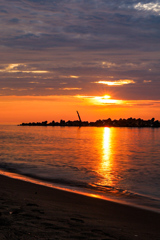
116 164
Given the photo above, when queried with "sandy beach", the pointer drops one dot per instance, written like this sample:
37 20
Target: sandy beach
30 211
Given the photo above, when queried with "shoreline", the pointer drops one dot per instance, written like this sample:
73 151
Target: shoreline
133 201
32 211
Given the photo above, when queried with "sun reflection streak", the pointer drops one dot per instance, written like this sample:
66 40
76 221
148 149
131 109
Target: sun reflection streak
106 160
105 166
106 146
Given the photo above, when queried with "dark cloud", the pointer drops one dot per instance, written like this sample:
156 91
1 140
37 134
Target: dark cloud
93 39
3 11
14 20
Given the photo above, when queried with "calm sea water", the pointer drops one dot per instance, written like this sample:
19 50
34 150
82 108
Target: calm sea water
122 164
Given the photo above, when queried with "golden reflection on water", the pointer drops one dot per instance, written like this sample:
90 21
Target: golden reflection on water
106 147
105 167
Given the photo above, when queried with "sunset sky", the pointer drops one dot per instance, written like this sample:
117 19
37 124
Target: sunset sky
100 57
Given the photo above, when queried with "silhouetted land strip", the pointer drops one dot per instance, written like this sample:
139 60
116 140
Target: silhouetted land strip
130 122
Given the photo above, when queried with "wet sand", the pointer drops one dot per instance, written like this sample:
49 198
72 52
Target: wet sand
30 211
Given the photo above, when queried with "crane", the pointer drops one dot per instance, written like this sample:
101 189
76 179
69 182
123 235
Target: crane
79 117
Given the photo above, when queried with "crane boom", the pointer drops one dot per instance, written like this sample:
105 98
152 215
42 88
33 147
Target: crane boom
79 116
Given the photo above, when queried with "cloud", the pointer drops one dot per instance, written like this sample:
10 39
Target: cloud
49 88
116 83
79 25
153 7
14 20
99 100
16 68
74 76
34 82
14 89
70 76
48 43
107 100
147 81
70 89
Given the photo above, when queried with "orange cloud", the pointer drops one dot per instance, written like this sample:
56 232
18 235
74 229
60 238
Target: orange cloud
68 89
116 83
70 76
147 81
14 68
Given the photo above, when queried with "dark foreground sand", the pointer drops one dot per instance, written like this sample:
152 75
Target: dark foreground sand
30 211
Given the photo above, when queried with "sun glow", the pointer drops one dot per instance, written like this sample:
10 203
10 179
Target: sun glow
98 100
105 99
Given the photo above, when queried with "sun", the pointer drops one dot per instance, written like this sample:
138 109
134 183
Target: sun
104 99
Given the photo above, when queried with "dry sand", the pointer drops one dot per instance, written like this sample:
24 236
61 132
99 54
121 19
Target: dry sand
30 211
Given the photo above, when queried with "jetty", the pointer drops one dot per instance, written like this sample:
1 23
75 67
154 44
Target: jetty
130 122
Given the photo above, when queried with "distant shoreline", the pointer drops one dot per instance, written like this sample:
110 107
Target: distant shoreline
130 122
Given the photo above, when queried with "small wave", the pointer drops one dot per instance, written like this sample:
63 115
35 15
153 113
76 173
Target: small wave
107 191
